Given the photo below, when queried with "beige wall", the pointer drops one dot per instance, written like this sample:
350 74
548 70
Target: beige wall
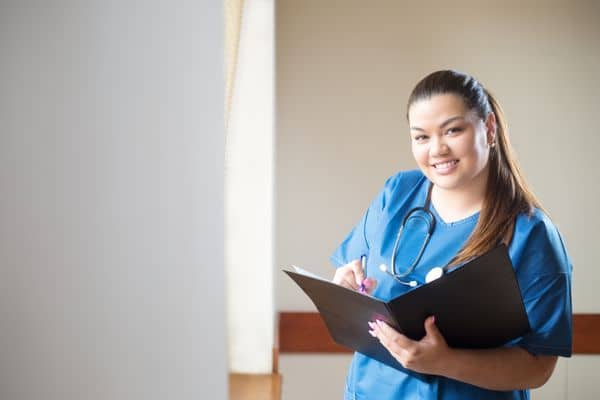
344 71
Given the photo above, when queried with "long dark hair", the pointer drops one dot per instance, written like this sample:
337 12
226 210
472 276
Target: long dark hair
507 194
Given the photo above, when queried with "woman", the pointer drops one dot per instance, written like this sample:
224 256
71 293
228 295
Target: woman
469 180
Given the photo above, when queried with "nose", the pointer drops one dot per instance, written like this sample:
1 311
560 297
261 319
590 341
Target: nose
438 147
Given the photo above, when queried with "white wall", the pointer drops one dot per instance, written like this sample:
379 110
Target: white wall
344 72
111 206
249 192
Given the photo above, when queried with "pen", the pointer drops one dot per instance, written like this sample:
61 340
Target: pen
363 263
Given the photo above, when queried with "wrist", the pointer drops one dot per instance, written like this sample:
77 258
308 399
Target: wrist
448 363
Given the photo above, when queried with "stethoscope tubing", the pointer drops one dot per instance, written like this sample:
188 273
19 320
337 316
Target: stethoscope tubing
434 273
430 224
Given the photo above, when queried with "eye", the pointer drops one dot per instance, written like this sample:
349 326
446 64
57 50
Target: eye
454 130
420 138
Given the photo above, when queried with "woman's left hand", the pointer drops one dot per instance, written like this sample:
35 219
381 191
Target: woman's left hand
425 356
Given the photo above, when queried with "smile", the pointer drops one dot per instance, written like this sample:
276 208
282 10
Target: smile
445 164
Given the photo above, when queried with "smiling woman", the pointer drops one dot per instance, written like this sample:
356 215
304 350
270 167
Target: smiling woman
451 145
470 179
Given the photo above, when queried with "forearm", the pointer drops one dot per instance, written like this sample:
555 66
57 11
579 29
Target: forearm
498 369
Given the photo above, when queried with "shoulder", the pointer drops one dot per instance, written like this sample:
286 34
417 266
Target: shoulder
396 189
537 229
537 245
404 180
399 186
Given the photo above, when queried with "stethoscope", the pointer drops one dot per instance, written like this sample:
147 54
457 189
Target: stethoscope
417 215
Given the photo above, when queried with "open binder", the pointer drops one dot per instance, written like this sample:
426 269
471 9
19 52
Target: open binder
478 305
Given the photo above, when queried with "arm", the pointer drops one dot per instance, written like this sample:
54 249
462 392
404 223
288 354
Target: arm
501 368
494 369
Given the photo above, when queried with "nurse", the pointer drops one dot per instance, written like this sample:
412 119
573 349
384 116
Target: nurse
469 180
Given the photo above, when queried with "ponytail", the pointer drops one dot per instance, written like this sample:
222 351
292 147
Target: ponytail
507 195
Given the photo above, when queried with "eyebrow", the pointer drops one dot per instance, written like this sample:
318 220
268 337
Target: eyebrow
446 122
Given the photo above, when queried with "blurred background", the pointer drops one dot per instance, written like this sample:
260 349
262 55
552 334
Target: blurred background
161 162
344 70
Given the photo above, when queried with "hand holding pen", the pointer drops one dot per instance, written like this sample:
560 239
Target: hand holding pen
354 276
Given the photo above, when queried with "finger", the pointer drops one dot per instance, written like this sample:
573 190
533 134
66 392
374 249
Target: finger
350 282
431 328
389 334
356 268
395 352
372 329
345 277
370 284
388 343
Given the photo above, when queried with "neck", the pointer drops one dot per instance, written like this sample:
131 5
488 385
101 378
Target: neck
456 204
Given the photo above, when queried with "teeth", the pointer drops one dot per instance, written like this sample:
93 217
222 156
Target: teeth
446 164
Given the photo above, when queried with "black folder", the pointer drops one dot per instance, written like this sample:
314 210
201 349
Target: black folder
477 305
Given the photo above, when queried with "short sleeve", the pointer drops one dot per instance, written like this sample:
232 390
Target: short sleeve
543 271
358 241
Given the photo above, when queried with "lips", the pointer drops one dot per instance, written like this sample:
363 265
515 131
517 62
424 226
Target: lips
444 165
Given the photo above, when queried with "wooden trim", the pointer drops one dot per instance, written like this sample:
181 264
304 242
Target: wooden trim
254 387
275 355
586 333
305 332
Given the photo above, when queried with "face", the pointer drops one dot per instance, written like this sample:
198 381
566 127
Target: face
450 143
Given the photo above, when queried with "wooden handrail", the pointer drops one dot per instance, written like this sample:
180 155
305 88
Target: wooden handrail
305 332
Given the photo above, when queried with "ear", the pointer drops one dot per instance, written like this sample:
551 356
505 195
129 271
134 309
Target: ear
491 129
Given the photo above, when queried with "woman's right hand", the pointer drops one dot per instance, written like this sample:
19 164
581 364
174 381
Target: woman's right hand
352 277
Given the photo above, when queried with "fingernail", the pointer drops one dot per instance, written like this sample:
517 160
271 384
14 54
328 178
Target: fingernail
371 325
378 322
372 333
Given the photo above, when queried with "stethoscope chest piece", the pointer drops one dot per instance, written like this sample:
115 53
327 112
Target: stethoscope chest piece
433 274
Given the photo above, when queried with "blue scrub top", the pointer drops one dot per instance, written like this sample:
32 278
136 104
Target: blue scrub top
541 264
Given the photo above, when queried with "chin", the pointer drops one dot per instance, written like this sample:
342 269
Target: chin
446 182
